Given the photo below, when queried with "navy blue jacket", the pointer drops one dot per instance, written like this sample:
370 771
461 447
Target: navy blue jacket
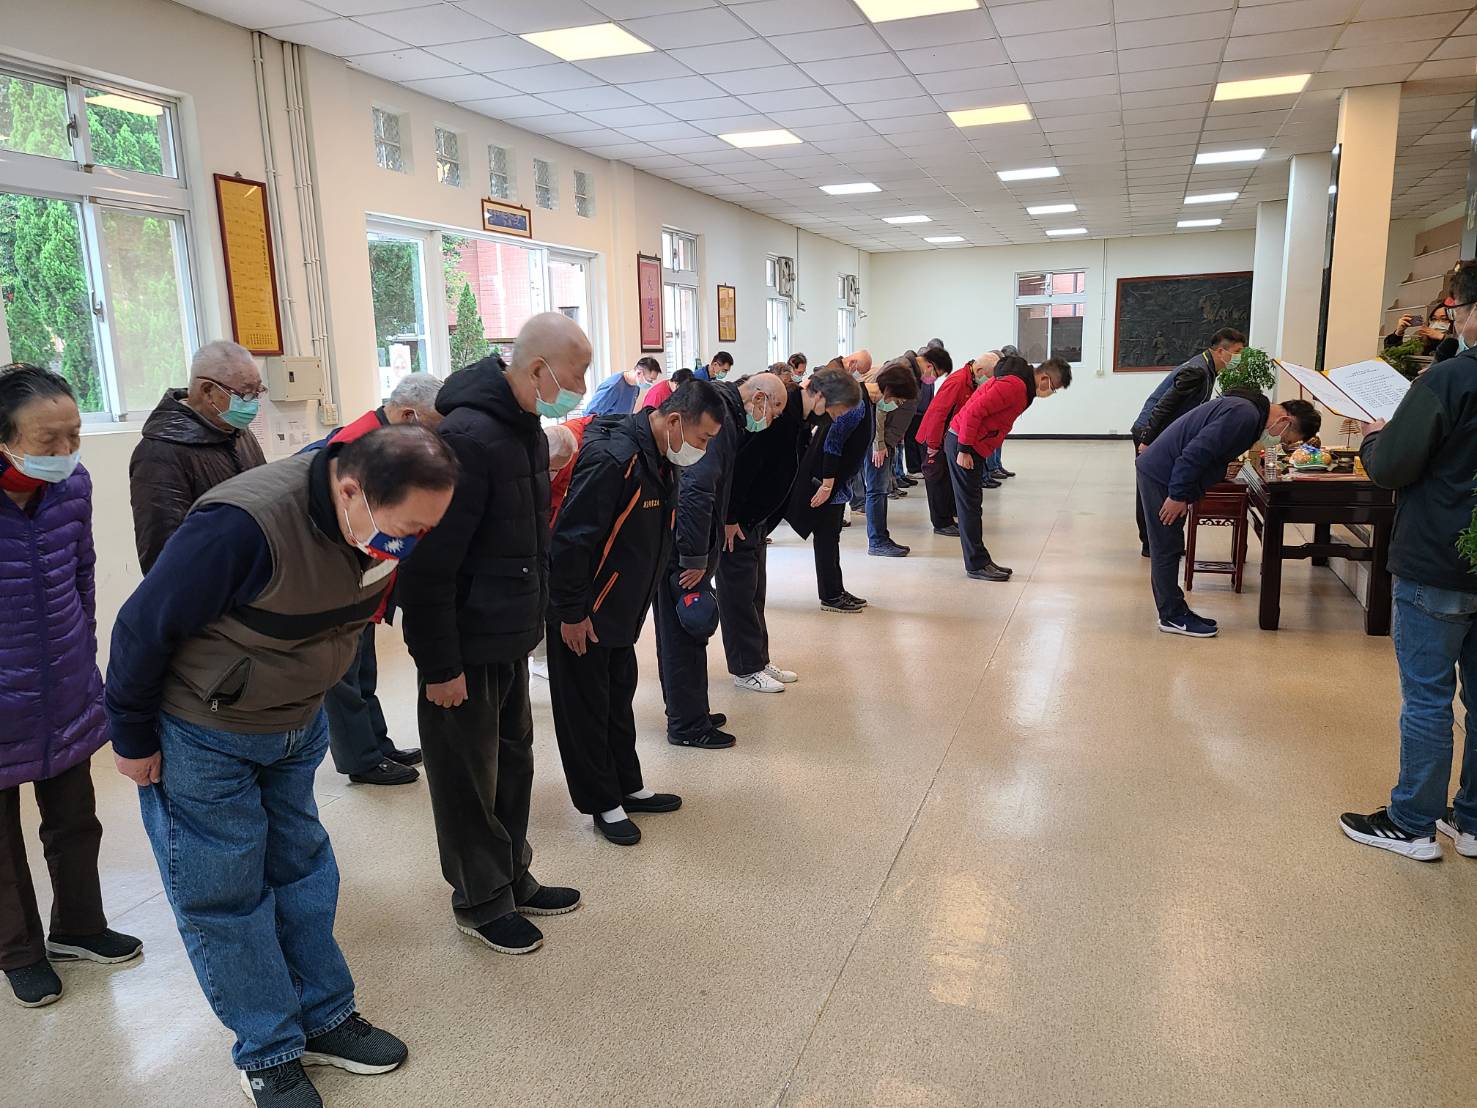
1193 452
1190 385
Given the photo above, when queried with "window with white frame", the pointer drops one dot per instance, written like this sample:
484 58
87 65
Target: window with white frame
545 184
845 316
502 173
776 313
584 194
1049 311
448 157
388 151
680 299
94 267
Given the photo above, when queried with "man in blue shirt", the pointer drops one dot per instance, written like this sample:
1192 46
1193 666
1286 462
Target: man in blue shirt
619 393
717 369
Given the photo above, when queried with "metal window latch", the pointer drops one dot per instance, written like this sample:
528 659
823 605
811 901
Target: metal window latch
97 308
73 132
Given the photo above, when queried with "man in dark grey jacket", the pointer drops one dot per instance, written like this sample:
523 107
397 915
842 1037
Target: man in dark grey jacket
1428 453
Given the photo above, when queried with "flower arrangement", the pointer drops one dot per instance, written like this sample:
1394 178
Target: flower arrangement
1250 369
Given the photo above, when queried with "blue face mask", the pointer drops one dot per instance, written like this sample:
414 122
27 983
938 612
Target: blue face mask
238 412
566 402
887 405
50 468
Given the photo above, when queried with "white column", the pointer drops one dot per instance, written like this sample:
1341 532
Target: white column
1266 274
1302 261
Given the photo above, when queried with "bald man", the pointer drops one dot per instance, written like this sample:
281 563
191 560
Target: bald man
703 490
473 598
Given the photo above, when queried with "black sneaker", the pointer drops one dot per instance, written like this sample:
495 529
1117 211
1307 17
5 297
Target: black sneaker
1190 625
843 604
711 739
1004 473
108 947
951 531
509 934
656 802
1204 619
1377 829
717 719
622 832
284 1086
386 773
991 483
36 985
1144 551
411 757
551 900
991 572
1464 841
857 600
889 550
357 1046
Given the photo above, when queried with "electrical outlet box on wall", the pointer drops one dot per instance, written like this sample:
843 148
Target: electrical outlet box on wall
295 378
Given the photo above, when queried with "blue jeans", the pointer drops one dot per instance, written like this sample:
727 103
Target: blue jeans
1435 634
1166 547
878 483
993 464
251 877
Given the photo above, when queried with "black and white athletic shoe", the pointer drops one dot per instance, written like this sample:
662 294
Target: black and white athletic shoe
844 604
284 1086
108 947
36 985
1377 829
355 1045
1464 841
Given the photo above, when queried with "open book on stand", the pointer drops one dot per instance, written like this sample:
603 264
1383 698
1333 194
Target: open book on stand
1365 391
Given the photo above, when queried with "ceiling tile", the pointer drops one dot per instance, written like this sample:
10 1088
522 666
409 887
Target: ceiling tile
1376 31
1061 44
1271 18
766 79
937 30
790 99
696 28
520 17
1463 47
812 117
777 17
889 109
340 37
745 54
466 86
488 55
724 124
865 92
1158 32
1164 57
430 26
1028 18
964 55
1126 10
841 70
1083 65
549 78
1154 98
1278 66
1436 70
1185 77
706 109
405 65
258 14
649 132
635 9
627 117
1386 54
969 80
815 46
1063 90
674 90
507 107
591 99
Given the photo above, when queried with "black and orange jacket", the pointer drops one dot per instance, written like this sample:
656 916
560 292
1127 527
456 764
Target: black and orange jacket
613 535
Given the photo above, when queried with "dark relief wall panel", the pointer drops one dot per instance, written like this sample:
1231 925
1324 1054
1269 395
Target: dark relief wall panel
1161 321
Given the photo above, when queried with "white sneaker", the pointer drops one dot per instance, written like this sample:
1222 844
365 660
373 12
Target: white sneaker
784 676
1465 841
758 682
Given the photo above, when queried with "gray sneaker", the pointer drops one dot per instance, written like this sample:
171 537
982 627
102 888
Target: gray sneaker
284 1086
357 1046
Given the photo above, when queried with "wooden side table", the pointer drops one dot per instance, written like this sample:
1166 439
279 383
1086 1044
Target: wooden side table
1223 505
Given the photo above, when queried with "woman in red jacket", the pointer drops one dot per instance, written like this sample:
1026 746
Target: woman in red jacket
949 395
974 434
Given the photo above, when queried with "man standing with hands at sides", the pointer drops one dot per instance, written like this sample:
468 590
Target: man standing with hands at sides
1177 468
1190 385
973 436
611 542
473 599
702 506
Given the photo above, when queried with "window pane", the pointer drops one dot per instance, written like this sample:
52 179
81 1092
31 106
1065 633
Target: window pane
1066 338
448 172
48 304
33 118
1030 284
506 290
568 290
387 126
144 255
501 180
130 133
1031 330
398 291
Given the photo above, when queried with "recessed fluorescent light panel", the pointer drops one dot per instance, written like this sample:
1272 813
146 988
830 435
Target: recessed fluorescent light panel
1212 198
942 239
907 219
850 190
1222 157
1262 86
1036 174
881 11
1057 232
744 140
1051 209
1003 113
1198 223
597 40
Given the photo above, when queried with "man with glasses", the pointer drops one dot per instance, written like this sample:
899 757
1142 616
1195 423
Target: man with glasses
1428 454
194 439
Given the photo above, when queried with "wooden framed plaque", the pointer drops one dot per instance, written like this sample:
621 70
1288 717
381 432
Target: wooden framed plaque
251 275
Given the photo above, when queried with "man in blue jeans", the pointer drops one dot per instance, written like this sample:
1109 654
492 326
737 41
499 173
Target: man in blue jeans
219 663
1428 452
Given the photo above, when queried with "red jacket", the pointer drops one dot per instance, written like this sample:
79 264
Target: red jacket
559 483
948 397
991 412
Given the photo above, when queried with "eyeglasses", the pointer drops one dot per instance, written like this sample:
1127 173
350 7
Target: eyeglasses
255 394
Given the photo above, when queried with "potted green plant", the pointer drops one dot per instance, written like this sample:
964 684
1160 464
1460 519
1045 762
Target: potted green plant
1250 369
1402 357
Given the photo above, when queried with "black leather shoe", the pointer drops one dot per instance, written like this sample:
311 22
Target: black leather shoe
711 739
386 773
656 802
622 832
1004 473
400 757
951 531
991 483
991 572
717 719
1144 551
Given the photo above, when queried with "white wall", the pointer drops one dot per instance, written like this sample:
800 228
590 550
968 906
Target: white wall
967 298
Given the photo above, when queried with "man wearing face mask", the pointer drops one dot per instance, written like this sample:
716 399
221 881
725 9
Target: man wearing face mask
717 369
703 490
610 546
219 663
194 439
473 601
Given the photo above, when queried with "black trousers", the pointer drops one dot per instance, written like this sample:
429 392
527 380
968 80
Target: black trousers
969 502
594 721
70 837
940 490
357 735
742 579
825 538
479 766
1138 505
913 452
681 663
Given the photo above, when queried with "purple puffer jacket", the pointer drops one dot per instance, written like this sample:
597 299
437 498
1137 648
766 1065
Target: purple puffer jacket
51 694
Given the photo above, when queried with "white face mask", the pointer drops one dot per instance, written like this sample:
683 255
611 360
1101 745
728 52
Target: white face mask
686 454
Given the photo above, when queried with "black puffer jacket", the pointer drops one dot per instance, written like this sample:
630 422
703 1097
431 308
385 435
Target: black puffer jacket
475 589
764 471
180 458
703 489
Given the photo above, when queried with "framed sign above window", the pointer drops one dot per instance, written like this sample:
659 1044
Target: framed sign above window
507 219
649 300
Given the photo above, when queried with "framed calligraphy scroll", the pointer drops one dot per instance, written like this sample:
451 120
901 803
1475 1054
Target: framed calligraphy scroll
251 274
727 314
649 299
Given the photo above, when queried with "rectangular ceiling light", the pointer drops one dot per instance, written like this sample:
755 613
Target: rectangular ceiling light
882 11
1262 86
1198 223
125 104
850 190
746 139
1212 198
1003 113
907 219
944 238
1058 231
597 40
1035 174
1051 209
1221 157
